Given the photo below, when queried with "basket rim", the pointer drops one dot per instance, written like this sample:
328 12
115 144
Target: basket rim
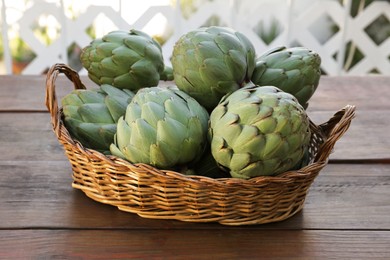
132 167
331 131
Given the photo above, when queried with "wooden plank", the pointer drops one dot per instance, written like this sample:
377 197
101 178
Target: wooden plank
22 93
347 196
30 137
39 195
27 93
366 139
193 244
365 92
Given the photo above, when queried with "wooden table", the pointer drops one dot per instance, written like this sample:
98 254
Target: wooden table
346 214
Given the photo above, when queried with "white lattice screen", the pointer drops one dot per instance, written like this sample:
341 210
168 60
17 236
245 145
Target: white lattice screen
325 26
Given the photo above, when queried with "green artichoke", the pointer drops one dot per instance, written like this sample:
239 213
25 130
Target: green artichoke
258 131
126 60
163 127
293 70
167 74
211 61
206 166
90 116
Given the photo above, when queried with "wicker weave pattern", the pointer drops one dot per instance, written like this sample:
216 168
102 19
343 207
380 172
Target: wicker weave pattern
162 194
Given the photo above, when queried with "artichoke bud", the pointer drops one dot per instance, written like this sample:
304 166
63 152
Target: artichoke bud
166 74
126 60
258 131
210 62
207 167
90 116
294 70
163 127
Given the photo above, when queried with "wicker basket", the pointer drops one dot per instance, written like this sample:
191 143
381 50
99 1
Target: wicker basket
162 194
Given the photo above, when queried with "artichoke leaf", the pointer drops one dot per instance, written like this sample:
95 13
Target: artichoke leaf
171 132
115 151
92 133
95 113
183 114
72 99
152 112
107 133
72 112
158 157
251 170
273 142
239 161
123 133
116 107
227 42
143 135
91 96
221 152
123 56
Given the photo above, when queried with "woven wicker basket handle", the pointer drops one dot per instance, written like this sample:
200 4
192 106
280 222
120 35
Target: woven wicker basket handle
51 97
334 129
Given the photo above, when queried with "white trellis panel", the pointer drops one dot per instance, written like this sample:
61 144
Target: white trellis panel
265 11
169 13
301 32
79 26
45 55
375 57
298 21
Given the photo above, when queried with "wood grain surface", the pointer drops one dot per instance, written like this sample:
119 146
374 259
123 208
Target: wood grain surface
345 216
27 93
193 244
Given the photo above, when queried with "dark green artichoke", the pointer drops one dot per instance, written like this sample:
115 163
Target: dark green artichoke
126 60
167 74
206 166
211 61
90 116
163 127
258 131
293 70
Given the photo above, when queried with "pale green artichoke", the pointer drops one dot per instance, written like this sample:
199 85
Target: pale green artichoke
258 131
90 116
126 60
163 127
211 61
293 70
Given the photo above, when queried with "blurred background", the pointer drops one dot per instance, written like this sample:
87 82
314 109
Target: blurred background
351 36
